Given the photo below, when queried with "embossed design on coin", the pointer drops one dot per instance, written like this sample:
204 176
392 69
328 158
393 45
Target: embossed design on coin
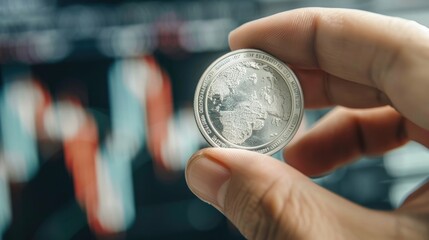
248 99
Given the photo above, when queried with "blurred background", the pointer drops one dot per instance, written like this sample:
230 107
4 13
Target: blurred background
96 121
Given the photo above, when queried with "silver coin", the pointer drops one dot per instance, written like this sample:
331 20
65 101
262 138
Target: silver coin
248 99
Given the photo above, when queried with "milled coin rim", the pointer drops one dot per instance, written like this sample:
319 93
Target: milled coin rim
294 109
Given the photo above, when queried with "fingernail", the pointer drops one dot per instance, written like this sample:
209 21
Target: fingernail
208 179
229 37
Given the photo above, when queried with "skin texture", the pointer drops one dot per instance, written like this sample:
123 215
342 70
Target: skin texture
376 69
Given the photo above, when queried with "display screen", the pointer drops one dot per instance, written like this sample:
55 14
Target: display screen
97 124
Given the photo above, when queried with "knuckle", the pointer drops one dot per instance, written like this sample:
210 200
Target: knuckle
272 214
280 204
409 226
397 56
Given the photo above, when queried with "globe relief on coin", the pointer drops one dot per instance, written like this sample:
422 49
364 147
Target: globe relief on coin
248 99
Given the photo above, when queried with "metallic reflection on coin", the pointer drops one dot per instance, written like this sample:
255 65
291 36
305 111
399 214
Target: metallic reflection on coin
250 100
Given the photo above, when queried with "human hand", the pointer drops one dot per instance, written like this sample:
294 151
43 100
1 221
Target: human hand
342 57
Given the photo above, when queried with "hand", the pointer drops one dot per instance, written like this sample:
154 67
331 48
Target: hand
342 57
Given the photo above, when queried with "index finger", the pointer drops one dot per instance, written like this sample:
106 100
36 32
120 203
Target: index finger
390 55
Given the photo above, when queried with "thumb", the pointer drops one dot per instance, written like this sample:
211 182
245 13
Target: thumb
267 199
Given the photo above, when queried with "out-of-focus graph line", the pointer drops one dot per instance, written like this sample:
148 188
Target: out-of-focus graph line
141 110
18 105
5 207
80 151
21 100
160 106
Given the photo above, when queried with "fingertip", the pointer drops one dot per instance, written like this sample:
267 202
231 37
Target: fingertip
207 178
235 36
289 150
292 155
240 161
244 35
